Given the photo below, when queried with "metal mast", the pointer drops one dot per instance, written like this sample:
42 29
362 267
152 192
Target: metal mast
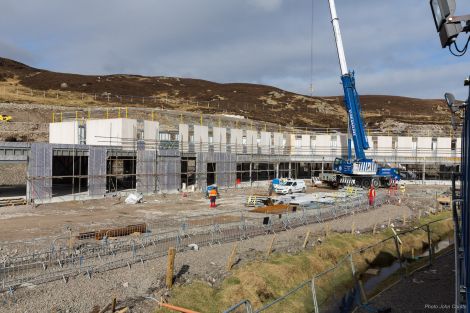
339 41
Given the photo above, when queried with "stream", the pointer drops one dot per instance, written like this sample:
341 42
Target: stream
385 266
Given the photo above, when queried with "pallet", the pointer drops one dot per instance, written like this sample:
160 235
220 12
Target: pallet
12 202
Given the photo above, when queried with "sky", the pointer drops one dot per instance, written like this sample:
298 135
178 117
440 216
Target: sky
391 45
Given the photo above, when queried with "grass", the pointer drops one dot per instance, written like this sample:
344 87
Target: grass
262 281
12 91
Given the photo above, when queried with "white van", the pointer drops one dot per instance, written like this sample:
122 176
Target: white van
291 186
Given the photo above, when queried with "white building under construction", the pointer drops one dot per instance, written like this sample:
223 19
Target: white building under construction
88 158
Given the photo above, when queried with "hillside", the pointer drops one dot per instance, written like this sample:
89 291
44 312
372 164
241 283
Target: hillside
20 83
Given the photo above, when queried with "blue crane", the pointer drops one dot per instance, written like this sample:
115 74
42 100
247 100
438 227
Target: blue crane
362 170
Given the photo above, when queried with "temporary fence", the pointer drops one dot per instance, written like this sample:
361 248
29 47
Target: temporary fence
90 251
345 286
131 106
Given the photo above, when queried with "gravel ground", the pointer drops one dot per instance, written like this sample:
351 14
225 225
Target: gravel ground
432 290
131 285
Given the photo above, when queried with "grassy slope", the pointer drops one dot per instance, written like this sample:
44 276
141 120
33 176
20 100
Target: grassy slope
262 281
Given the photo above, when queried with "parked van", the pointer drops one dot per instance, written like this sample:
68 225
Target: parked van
291 186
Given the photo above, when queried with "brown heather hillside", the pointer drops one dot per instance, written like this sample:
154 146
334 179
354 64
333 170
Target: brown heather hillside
20 83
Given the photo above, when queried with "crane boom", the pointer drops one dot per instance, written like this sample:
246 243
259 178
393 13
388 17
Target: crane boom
339 40
351 97
360 171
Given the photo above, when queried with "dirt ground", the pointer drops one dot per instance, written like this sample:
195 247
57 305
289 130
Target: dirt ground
53 219
27 222
131 285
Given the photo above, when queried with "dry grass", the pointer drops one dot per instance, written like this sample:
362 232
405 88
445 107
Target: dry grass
12 91
262 281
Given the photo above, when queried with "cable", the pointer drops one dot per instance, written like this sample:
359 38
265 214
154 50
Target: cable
460 52
311 54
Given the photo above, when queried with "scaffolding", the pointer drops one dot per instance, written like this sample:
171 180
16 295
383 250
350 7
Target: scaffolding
76 172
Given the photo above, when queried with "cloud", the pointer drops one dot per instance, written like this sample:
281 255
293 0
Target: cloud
267 5
12 51
392 45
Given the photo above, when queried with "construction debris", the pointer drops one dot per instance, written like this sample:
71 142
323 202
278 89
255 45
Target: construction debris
272 209
444 200
193 246
113 232
134 198
12 201
257 200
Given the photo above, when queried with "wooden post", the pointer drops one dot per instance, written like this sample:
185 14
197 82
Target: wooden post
170 266
107 113
53 117
306 240
126 112
389 221
327 230
412 253
353 228
232 256
363 292
428 229
61 116
375 229
397 244
419 214
113 307
270 248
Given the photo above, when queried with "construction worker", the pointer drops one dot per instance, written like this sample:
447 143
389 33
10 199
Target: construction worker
270 189
372 195
212 197
393 187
